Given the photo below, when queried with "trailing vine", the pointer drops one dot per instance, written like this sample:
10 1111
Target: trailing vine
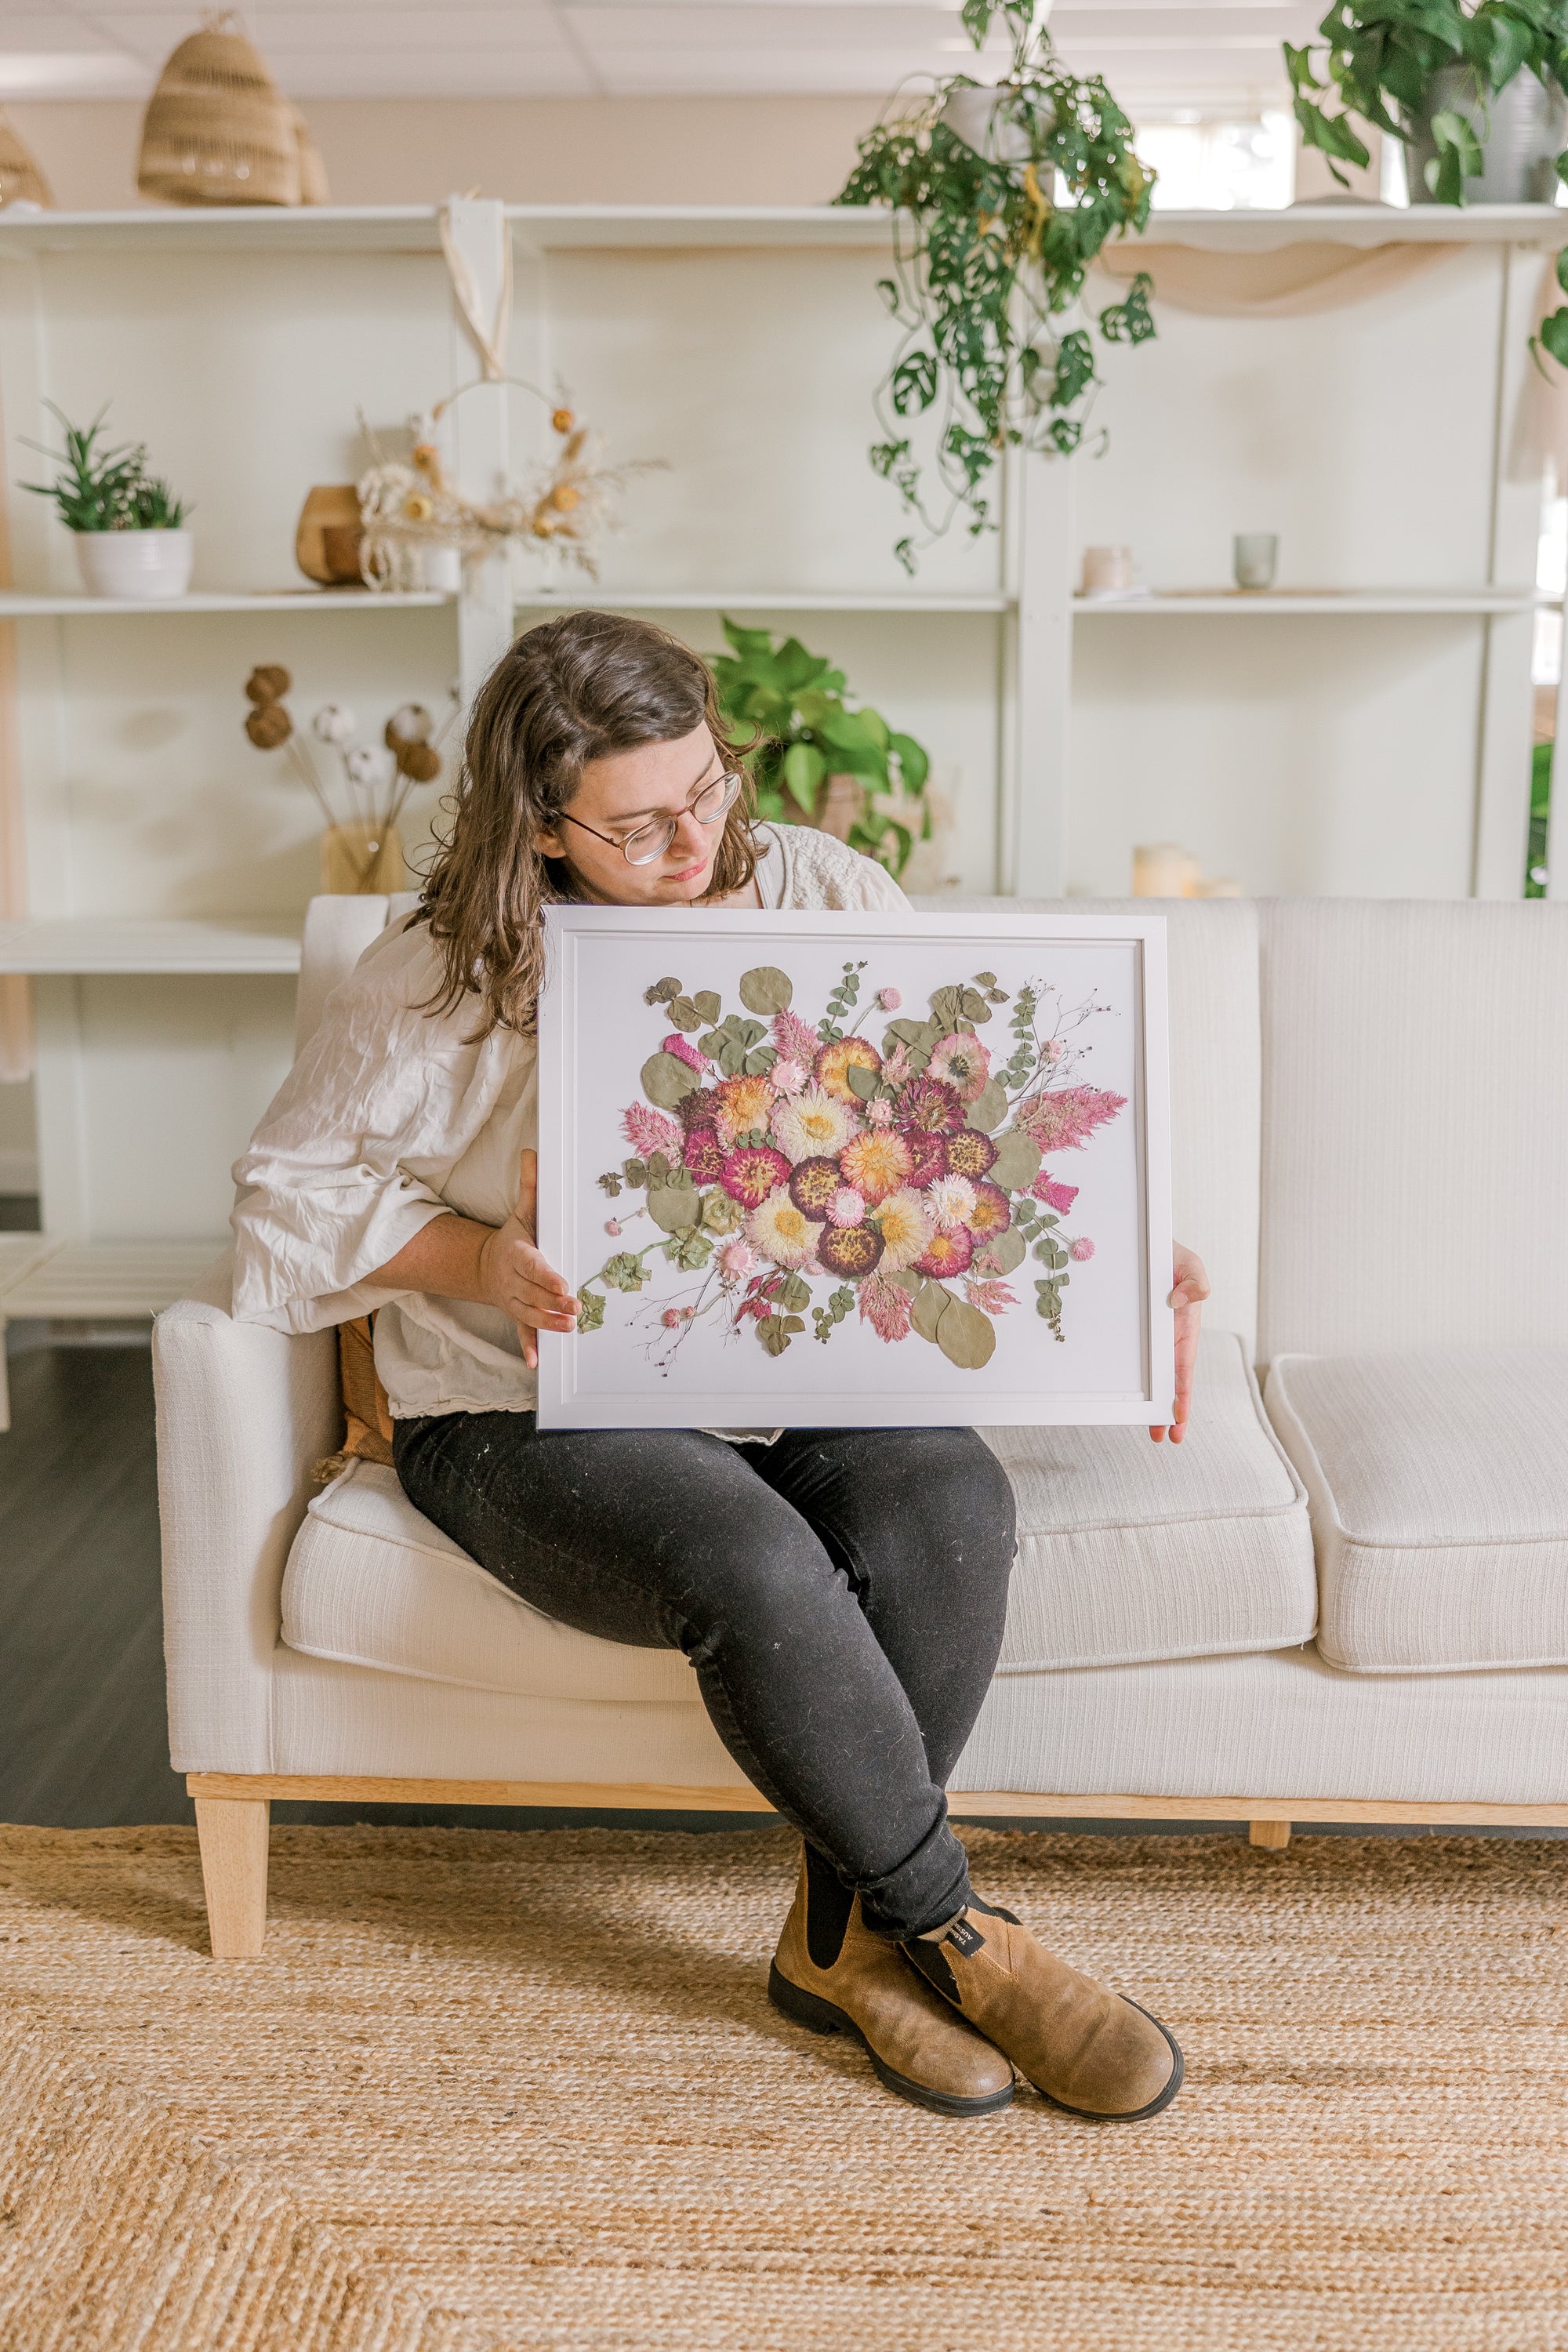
989 265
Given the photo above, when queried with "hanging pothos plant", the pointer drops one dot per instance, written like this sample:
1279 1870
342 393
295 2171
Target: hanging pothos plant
989 264
1379 58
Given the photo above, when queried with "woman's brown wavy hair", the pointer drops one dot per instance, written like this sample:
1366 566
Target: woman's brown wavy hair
569 691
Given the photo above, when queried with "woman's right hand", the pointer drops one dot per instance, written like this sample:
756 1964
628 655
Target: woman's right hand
518 1278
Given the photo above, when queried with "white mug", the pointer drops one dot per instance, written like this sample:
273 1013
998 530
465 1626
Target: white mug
1255 554
1106 569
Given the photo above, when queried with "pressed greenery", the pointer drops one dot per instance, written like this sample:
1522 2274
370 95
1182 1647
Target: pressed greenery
795 699
1377 59
101 489
989 263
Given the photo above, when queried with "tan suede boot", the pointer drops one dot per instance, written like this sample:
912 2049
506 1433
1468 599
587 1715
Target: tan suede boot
918 2048
1084 2048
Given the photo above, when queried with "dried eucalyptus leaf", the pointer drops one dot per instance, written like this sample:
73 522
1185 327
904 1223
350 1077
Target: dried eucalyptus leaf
667 1081
862 1081
793 1323
663 991
758 1065
685 1015
733 1060
907 1279
1017 1161
766 990
984 980
931 1309
1007 1252
772 1334
721 1212
989 1107
658 1166
590 1310
712 1046
947 1007
965 1337
636 1173
973 1006
904 1032
793 1294
707 1005
674 1206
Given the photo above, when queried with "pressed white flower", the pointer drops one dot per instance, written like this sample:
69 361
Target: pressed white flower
905 1224
788 1077
951 1200
779 1231
333 724
846 1208
814 1125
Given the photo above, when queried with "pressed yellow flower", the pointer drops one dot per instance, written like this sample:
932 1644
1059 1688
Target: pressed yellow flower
814 1126
779 1231
876 1163
835 1062
906 1229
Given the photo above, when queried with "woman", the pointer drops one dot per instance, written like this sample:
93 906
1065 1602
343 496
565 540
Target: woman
840 1593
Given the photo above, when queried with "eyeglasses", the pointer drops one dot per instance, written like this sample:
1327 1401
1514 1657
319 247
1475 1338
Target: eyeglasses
651 840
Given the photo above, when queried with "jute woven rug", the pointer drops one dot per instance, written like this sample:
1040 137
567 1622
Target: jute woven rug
490 2091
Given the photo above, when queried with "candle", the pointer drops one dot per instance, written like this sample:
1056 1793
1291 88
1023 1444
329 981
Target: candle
1161 871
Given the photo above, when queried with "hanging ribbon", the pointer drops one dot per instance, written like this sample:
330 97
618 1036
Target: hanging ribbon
488 342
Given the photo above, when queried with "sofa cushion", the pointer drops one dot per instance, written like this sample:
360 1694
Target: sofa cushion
1438 1487
1128 1550
370 1581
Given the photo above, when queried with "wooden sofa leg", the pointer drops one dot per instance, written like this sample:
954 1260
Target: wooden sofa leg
232 1832
1273 1834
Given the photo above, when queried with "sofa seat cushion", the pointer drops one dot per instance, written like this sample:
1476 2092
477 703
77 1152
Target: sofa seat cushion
1130 1552
370 1581
1438 1485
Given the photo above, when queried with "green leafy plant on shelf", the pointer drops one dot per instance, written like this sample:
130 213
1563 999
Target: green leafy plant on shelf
101 489
1540 821
1378 59
996 224
795 700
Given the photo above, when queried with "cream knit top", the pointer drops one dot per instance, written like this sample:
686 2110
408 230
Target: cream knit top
388 1117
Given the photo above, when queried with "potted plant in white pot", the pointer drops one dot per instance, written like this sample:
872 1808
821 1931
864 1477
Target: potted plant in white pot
127 525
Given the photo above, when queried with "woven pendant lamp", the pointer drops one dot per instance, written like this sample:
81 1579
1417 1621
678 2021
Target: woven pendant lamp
313 188
217 130
20 178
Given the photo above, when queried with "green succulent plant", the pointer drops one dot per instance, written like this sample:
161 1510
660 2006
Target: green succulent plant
101 489
988 263
795 701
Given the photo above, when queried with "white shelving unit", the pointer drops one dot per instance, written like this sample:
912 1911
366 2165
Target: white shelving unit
168 864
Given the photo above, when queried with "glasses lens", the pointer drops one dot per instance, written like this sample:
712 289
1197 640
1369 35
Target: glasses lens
713 799
648 842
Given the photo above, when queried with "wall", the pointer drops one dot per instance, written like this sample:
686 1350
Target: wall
562 151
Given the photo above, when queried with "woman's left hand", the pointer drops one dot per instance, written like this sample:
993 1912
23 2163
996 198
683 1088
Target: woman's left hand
1190 1287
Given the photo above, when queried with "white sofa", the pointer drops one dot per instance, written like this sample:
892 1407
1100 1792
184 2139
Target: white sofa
1345 1596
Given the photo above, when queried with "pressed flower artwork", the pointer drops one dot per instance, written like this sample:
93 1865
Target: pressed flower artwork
863 1143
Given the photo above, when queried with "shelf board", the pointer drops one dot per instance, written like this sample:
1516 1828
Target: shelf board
88 944
88 1279
18 605
413 229
781 600
1345 603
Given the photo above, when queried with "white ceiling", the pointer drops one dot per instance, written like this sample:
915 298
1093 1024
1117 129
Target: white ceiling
1157 55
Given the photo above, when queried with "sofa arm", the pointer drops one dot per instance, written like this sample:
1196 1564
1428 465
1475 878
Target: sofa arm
244 1415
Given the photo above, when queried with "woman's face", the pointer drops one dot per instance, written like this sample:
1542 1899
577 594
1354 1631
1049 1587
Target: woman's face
631 789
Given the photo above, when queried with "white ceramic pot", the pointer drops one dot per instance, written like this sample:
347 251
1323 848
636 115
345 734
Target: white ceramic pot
442 567
147 564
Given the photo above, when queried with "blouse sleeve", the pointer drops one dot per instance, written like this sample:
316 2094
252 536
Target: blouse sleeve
347 1163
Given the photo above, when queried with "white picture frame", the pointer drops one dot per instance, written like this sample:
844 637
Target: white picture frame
1095 1348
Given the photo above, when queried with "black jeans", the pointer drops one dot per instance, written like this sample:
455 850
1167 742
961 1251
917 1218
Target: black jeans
840 1594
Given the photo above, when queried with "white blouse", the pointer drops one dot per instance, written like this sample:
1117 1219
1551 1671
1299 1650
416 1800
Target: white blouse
388 1119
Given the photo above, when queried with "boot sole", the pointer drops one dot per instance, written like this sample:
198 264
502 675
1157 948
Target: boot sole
819 2016
1133 2114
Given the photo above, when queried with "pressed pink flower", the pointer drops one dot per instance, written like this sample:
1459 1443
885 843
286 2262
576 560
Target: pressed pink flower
704 1155
1052 1051
1065 1121
991 1297
699 1108
948 1253
992 1213
950 1200
846 1208
928 1156
795 1039
876 1163
744 1106
751 1172
612 1226
970 1153
683 1049
1055 1196
896 1068
650 1130
929 1106
880 1112
850 1250
1080 1249
886 1306
736 1260
814 1186
671 1318
962 1061
890 999
788 1077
